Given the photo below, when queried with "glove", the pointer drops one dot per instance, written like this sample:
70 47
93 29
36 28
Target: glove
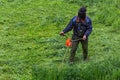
62 33
84 37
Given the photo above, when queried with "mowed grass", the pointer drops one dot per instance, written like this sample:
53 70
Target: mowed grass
31 48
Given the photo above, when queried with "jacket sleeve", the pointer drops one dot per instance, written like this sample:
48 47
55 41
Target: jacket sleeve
89 28
69 26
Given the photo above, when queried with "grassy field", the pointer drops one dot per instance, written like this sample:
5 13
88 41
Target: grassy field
31 48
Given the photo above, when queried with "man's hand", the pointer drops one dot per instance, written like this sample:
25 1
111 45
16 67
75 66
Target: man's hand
84 37
62 33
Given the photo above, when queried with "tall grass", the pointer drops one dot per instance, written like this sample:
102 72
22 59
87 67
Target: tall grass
103 70
31 48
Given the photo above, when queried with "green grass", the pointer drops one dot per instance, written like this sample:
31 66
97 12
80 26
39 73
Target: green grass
31 48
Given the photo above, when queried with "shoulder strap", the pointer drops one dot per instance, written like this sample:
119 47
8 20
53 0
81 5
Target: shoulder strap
77 19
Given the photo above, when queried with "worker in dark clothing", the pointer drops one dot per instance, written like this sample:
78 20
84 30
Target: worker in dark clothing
82 28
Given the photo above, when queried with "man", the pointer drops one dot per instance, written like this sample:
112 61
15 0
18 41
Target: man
82 27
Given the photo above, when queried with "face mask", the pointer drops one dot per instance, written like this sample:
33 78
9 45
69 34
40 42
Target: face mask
82 15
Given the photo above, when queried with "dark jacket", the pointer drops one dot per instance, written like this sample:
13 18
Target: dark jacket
78 26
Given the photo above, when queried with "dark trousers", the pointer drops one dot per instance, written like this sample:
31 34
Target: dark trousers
75 43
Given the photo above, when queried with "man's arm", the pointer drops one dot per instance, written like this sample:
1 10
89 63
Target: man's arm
89 28
68 28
